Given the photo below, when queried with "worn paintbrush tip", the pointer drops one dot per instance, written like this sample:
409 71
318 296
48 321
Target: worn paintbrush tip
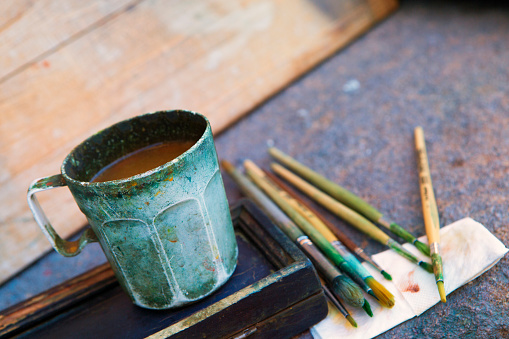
367 307
441 291
427 266
351 320
348 291
386 275
385 298
422 247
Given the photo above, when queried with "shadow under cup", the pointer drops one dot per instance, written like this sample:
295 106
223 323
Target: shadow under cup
167 233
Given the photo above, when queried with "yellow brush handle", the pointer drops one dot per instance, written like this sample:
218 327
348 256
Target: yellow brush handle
429 205
332 205
310 216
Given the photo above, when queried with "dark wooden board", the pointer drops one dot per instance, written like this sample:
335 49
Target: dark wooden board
274 290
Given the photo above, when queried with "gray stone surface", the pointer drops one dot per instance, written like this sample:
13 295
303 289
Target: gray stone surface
444 66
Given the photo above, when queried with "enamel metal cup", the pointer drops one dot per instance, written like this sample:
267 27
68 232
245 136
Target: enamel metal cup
167 233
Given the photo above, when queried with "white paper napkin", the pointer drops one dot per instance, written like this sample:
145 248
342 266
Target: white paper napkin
468 249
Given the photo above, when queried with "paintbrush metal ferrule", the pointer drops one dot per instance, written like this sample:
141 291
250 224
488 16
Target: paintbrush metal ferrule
373 288
323 265
351 267
333 228
341 284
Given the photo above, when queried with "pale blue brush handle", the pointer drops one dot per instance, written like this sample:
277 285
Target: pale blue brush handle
351 259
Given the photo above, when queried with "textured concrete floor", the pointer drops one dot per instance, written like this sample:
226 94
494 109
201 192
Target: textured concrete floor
442 66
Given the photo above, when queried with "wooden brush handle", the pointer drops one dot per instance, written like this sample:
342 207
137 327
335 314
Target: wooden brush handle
345 213
429 206
340 235
338 192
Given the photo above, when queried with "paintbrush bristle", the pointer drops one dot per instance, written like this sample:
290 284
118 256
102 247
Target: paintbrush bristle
351 320
422 247
366 307
348 291
385 298
386 275
441 291
428 267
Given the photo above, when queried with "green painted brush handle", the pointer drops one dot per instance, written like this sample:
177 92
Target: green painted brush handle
436 261
329 271
344 240
407 236
397 230
340 193
325 246
401 232
345 213
351 260
401 251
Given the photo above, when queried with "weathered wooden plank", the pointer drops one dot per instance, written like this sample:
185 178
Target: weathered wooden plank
221 58
31 29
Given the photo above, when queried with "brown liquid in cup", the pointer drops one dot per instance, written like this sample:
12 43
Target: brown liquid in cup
142 160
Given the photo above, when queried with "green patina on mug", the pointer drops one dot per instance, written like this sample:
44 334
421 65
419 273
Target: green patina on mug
167 232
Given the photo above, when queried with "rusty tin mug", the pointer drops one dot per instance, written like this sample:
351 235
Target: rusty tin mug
167 232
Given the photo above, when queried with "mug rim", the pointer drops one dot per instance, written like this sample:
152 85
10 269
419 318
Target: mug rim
138 176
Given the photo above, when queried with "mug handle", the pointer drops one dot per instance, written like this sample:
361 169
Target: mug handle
64 247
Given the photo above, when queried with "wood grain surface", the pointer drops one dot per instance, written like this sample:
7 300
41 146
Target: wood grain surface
68 69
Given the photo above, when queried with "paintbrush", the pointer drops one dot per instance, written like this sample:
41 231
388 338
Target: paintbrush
337 232
326 269
429 210
347 198
384 297
337 303
350 216
266 185
342 285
